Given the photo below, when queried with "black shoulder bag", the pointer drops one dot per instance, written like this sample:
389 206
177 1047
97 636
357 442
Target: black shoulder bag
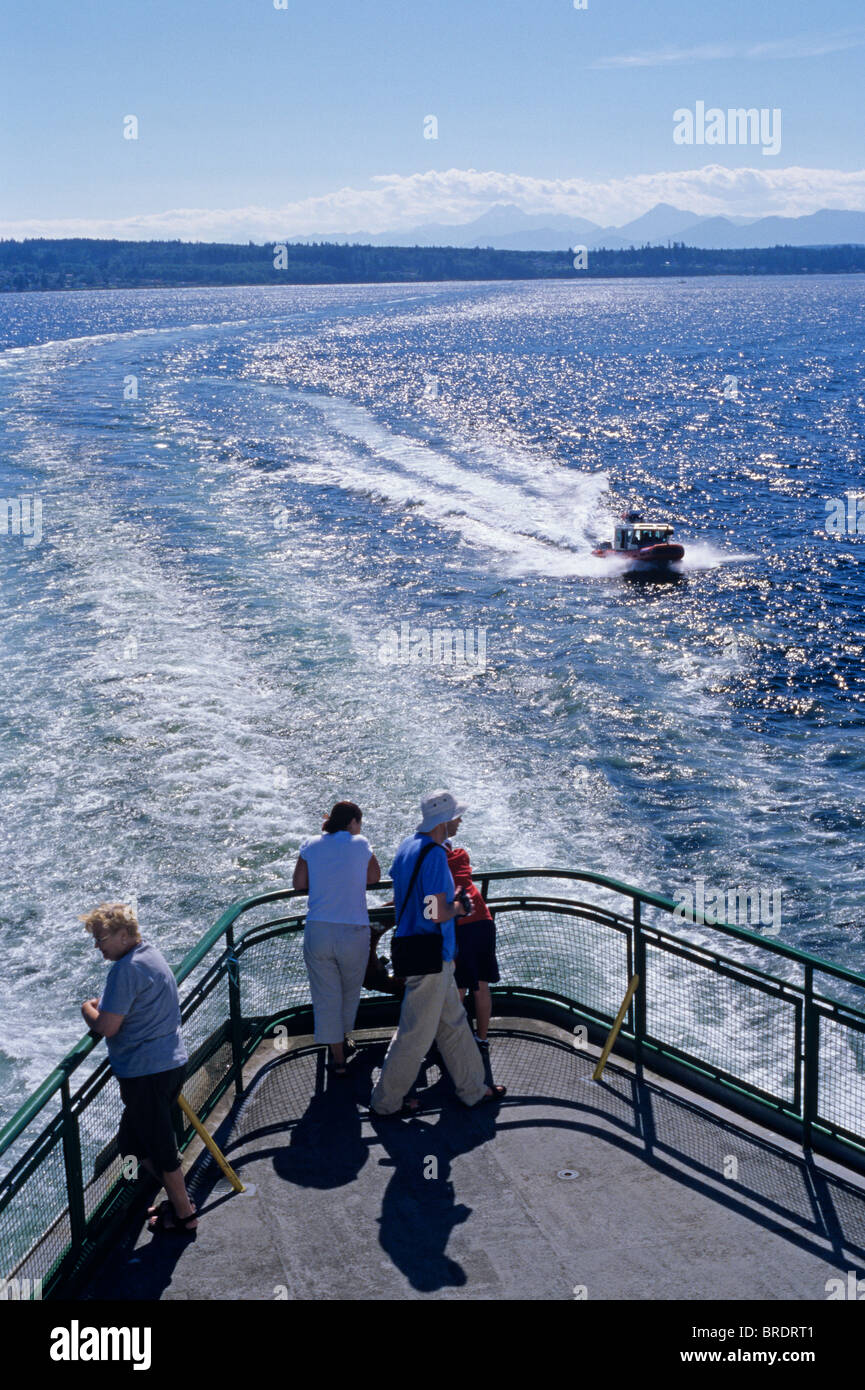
421 952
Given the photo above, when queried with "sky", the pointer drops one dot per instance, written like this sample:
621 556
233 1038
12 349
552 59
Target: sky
258 123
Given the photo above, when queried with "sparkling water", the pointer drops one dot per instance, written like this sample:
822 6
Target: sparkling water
247 495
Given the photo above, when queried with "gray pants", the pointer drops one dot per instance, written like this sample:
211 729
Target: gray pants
431 1011
336 955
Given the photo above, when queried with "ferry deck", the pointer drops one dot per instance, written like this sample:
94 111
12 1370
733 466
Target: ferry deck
721 1154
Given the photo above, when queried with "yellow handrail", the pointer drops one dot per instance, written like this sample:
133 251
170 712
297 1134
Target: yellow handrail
614 1031
211 1145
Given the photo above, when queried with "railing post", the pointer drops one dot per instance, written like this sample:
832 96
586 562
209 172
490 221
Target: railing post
811 1059
74 1174
234 1012
640 996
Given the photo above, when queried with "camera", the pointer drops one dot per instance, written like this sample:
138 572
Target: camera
464 901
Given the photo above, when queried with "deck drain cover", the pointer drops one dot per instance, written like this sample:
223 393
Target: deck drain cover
567 1174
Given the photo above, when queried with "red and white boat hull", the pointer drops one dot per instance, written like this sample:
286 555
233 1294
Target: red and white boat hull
652 556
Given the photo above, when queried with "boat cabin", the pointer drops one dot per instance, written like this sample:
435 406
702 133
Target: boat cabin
634 535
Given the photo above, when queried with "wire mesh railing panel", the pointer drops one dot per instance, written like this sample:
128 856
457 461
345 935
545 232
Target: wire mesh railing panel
19 1146
725 1022
272 975
563 954
841 1078
279 1094
752 955
207 1016
36 1220
844 992
100 1159
200 1085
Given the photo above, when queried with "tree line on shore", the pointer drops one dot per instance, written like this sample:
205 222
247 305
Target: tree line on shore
86 263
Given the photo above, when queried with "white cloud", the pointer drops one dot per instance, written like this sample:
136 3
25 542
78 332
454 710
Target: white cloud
397 202
664 57
803 47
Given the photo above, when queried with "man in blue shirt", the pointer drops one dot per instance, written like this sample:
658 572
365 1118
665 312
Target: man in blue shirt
139 1018
431 1007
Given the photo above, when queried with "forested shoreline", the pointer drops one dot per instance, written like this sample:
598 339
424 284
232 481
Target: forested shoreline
88 263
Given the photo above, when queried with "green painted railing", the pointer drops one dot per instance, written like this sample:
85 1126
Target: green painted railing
733 1014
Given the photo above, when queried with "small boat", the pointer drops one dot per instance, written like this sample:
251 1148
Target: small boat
646 545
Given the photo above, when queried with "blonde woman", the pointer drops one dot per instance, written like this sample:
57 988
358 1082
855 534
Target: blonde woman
138 1015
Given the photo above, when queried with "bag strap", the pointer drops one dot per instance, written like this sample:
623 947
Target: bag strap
411 883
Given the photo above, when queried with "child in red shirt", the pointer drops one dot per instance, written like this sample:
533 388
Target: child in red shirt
476 964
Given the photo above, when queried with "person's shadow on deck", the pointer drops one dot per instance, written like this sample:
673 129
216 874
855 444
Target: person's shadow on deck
326 1148
419 1210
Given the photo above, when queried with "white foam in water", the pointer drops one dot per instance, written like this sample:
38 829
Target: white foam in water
57 347
184 693
177 738
699 555
537 516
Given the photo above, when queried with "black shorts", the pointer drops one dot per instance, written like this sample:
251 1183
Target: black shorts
147 1123
476 954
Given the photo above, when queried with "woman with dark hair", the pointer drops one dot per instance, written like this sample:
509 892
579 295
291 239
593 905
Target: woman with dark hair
335 869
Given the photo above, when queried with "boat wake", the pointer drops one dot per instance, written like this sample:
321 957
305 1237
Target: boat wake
536 516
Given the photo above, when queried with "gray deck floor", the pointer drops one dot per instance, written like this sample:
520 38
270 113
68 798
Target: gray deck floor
472 1204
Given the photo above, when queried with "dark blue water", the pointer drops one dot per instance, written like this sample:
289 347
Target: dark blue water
192 655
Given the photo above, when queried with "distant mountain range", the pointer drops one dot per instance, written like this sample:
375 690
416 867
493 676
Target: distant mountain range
507 228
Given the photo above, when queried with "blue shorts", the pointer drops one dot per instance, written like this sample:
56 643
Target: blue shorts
476 955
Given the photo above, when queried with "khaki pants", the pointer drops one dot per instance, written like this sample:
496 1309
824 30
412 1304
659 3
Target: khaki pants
431 1010
336 955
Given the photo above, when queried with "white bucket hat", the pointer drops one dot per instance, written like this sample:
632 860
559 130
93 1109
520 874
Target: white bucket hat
436 807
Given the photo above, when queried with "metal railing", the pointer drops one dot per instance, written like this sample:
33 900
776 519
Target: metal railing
732 1014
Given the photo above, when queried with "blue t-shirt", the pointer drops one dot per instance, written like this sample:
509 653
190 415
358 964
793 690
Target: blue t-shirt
434 877
140 986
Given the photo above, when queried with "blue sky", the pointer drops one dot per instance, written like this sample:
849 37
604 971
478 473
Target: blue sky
257 122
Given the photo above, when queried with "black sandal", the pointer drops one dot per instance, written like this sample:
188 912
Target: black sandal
183 1225
406 1111
156 1215
496 1095
179 1224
